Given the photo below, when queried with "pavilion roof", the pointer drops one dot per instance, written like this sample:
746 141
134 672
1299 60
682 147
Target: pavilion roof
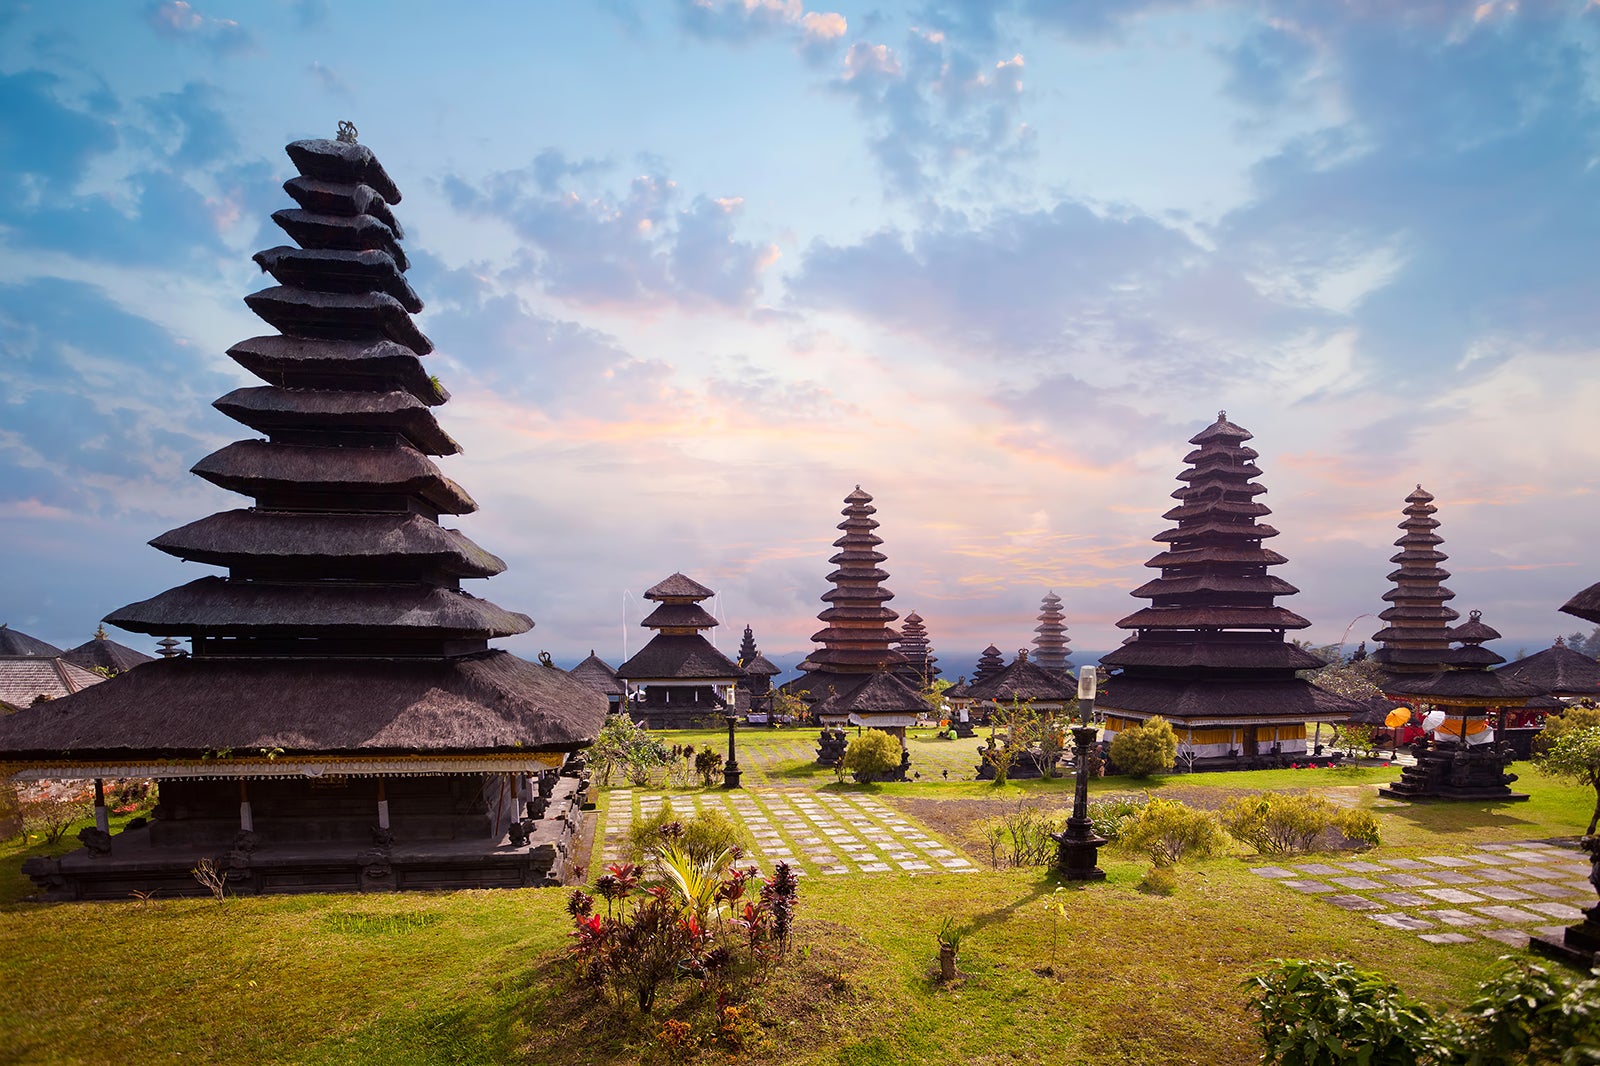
1214 700
679 657
24 678
1557 671
1585 605
1023 679
678 586
598 675
16 642
100 650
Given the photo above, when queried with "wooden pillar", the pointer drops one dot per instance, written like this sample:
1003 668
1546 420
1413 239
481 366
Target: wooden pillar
102 817
383 806
247 821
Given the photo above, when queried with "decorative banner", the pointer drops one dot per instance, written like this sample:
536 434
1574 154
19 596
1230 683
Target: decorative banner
1397 717
1475 726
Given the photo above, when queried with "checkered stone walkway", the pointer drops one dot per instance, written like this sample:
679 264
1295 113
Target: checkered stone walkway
1503 892
813 832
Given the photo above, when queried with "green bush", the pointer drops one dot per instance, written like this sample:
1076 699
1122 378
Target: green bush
1279 824
1359 825
1159 881
1145 749
872 754
1111 815
702 837
1167 830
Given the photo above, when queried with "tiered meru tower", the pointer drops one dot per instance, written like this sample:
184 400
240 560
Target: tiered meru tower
1416 639
1209 653
1050 645
850 678
920 666
342 722
678 679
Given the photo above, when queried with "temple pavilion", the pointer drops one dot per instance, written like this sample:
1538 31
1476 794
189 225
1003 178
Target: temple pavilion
1416 639
341 722
1023 683
100 652
1558 671
1051 640
850 679
679 680
598 675
1209 653
33 671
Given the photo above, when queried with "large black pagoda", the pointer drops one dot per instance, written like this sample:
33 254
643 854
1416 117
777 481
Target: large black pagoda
1209 653
341 723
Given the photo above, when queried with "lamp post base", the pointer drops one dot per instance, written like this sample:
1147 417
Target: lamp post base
731 776
1077 856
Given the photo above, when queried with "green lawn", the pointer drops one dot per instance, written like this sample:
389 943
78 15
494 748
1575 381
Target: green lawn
477 977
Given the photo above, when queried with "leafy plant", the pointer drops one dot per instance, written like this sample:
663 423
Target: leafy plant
1359 825
1111 815
1315 1012
1275 823
1145 749
1576 756
623 744
708 764
51 811
871 755
1359 739
1013 727
1167 830
706 834
1023 836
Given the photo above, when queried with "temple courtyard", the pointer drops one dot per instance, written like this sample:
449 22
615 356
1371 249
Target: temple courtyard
1105 972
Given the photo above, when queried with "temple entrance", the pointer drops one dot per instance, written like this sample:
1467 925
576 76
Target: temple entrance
1252 745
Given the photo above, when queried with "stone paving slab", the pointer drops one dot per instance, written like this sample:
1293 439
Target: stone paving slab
1502 893
1445 938
1447 877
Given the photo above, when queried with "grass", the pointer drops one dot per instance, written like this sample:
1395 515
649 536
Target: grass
477 976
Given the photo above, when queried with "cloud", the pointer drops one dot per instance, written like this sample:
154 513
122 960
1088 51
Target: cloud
814 33
180 21
46 144
640 248
327 79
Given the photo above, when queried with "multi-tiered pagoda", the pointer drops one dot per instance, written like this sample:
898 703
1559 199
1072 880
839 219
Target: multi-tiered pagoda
1416 640
849 679
679 680
920 666
1209 653
758 674
1024 683
341 722
1050 643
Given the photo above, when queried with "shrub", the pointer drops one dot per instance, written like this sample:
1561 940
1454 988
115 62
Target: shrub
1575 755
1358 739
1167 830
1278 824
1359 825
1574 718
1159 881
1145 749
708 764
1024 836
701 837
622 744
872 754
52 810
1315 1012
1111 815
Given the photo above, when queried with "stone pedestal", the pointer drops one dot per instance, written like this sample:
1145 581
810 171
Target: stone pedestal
1456 771
1578 945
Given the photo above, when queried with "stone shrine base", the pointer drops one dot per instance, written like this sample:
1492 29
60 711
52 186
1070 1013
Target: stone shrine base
137 865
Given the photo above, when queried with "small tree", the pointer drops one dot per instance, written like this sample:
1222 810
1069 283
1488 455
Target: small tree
624 744
1145 749
871 755
1576 756
1167 830
1013 727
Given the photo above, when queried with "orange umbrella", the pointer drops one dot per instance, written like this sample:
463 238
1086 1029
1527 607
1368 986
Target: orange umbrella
1397 717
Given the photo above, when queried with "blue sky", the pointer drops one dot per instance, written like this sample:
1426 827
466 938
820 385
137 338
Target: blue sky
695 269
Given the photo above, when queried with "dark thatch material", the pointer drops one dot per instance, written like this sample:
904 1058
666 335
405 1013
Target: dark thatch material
1255 584
1199 617
1209 528
1462 688
342 163
269 409
1220 700
339 270
103 652
257 468
218 606
678 586
679 658
1585 605
354 233
318 541
761 665
183 708
595 673
340 198
1557 671
1024 680
857 638
680 616
337 364
338 315
866 695
1217 553
1214 655
15 642
24 678
1050 645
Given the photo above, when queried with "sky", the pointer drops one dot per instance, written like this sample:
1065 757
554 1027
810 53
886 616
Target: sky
695 269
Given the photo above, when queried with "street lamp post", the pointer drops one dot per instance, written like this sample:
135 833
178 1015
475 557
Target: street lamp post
1078 847
730 770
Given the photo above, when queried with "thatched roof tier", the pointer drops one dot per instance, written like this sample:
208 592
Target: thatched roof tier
1421 572
678 586
1419 601
1219 617
317 362
1050 645
857 638
1585 605
1213 655
880 693
1558 671
262 470
338 315
218 607
990 663
1252 584
761 665
680 616
1475 631
106 654
16 642
1461 688
1024 680
597 675
273 410
1222 530
351 232
342 163
674 657
853 611
174 708
1245 555
324 544
342 198
1217 507
1216 701
339 270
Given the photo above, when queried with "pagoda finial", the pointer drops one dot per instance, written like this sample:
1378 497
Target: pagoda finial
1222 416
347 132
100 632
1561 642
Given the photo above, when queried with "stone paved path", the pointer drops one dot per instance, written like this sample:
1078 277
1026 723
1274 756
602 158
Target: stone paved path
815 833
1501 892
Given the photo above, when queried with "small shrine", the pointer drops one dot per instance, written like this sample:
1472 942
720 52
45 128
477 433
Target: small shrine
920 667
990 664
1209 653
341 722
1416 639
597 674
1458 756
756 693
1050 643
679 680
1025 683
850 679
101 653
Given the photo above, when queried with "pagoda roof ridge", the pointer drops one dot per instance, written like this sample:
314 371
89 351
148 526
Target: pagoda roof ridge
1213 617
678 615
338 315
372 365
678 585
269 408
339 270
314 230
342 162
1226 554
342 198
1180 584
256 467
1221 429
1229 530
